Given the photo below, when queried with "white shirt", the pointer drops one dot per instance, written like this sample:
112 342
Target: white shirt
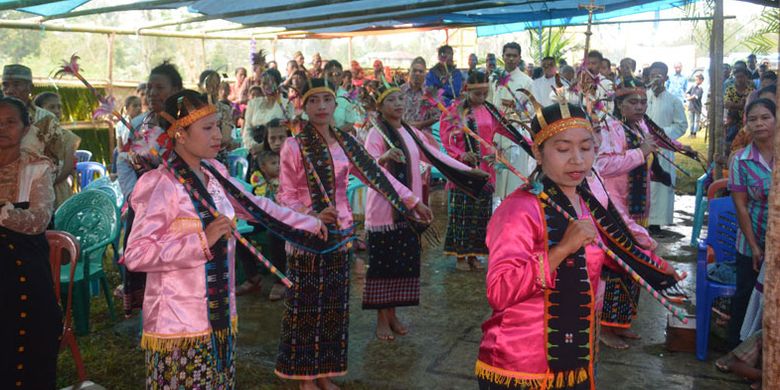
542 88
517 79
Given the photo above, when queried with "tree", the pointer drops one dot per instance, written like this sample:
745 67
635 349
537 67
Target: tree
555 43
762 41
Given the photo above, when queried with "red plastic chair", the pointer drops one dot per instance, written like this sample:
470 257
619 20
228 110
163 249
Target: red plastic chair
64 249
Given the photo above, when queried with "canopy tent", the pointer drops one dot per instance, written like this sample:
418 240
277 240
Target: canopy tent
334 18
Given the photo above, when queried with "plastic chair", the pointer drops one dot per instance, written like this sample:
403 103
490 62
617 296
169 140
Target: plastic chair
236 134
238 166
83 155
87 171
64 249
722 230
90 216
699 208
112 189
240 152
242 226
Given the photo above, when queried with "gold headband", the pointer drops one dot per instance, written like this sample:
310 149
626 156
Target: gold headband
630 91
385 94
312 91
560 126
191 118
476 86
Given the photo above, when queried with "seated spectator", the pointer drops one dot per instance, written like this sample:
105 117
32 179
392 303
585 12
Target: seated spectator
64 148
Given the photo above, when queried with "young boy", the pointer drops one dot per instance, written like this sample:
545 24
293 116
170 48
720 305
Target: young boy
265 180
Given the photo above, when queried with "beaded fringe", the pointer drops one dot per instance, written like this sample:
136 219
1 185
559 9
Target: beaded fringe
550 380
168 343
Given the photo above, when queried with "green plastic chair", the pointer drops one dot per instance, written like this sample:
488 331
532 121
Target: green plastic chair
91 217
112 189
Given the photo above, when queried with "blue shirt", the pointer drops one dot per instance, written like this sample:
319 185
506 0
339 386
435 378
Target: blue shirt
677 84
451 82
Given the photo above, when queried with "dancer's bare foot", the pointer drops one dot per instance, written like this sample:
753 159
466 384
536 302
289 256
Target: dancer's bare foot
396 325
326 384
475 264
627 334
462 265
612 340
307 385
383 330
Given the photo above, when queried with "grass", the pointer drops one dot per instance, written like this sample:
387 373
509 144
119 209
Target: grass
687 184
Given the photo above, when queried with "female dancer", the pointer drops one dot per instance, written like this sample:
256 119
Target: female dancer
544 265
624 165
393 277
189 316
469 216
313 179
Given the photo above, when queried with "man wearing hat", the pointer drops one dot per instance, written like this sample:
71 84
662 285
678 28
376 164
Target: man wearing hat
45 132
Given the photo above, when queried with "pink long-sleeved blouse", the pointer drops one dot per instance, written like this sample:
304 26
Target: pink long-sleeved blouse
518 275
379 213
294 188
454 141
168 242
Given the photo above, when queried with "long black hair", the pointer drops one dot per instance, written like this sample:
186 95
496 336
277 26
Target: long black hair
24 114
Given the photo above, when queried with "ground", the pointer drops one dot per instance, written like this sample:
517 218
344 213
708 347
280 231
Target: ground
441 349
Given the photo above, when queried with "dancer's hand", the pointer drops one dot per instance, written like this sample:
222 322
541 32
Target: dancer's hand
323 233
424 212
577 235
393 154
218 228
470 158
329 215
648 146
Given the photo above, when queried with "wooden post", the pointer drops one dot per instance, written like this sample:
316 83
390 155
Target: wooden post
110 87
771 344
717 147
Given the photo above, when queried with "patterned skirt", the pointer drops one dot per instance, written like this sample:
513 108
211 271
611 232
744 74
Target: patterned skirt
316 317
188 368
393 277
621 298
467 226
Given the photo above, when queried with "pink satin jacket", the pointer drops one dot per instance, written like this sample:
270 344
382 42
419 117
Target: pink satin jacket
168 242
379 213
454 141
513 341
294 187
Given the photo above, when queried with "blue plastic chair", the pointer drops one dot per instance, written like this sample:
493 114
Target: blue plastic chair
722 230
83 155
91 217
238 166
699 208
88 170
240 152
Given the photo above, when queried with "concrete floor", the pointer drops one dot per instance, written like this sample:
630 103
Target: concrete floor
441 349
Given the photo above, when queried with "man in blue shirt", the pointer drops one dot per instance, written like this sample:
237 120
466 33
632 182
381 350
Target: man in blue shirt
445 76
677 84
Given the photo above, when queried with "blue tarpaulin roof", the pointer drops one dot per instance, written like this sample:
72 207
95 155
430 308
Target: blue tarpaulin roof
343 16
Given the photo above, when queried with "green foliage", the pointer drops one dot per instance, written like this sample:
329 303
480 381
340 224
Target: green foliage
77 103
555 43
764 40
96 141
